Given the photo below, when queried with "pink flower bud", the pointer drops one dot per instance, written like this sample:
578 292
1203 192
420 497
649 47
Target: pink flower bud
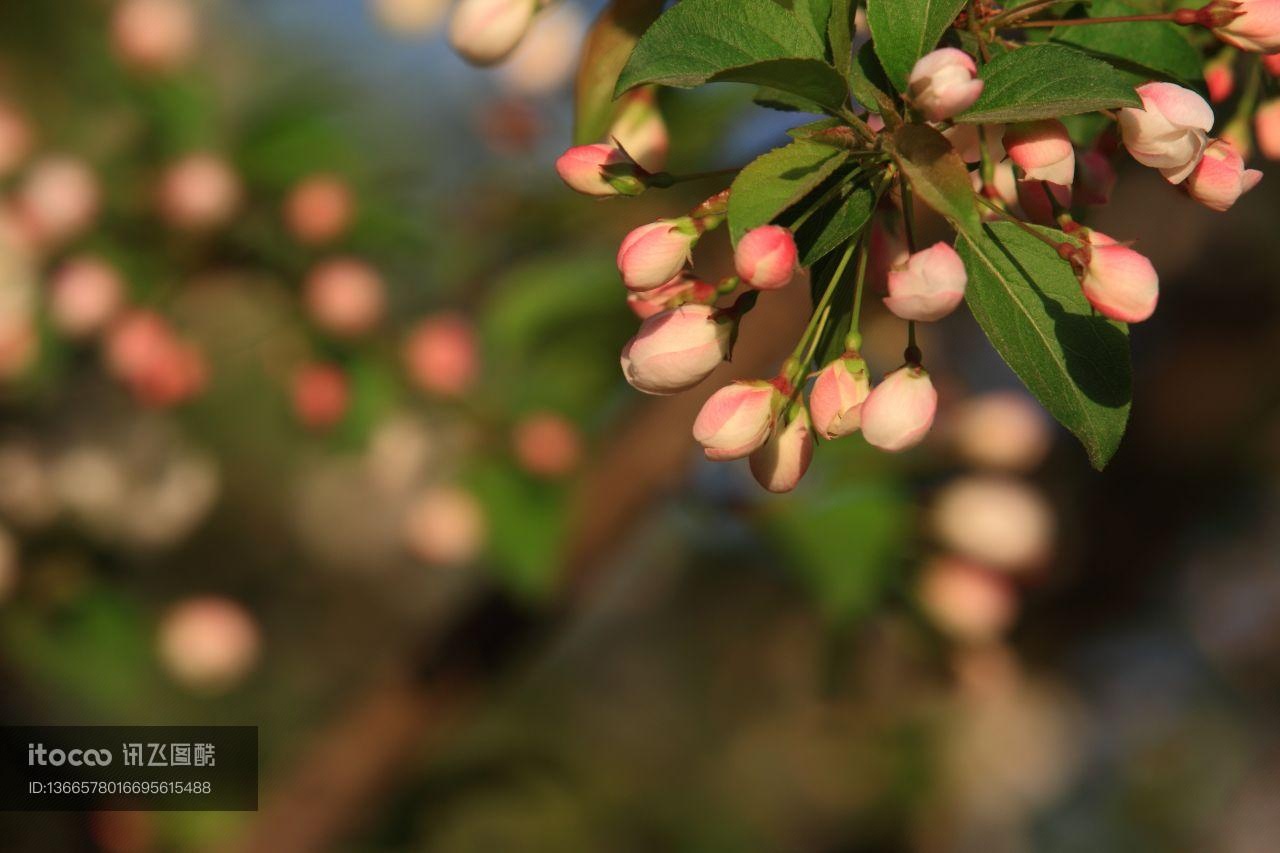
1271 62
1119 282
1267 128
968 139
1256 29
198 192
654 254
160 369
485 32
154 35
547 57
85 294
967 600
345 297
930 287
1220 78
640 130
944 84
783 460
1221 178
1036 198
676 349
766 257
1003 187
442 356
837 397
58 199
899 411
410 18
600 170
319 209
446 526
208 643
676 292
320 395
1097 178
1043 150
16 138
547 445
1001 521
736 420
1170 131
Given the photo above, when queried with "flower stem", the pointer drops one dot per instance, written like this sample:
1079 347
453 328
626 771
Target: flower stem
1084 22
809 340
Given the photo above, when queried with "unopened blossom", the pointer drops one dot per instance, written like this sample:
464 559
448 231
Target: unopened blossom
899 411
782 461
546 58
1119 282
1221 178
16 137
930 287
676 349
485 32
208 643
1043 150
1039 198
600 170
767 257
442 355
1003 522
944 83
1170 131
1266 126
837 397
1001 430
198 192
967 600
345 297
1271 63
1003 187
640 130
410 17
969 139
320 394
654 254
547 444
319 209
85 294
446 526
1097 178
1220 78
737 420
58 199
154 35
1256 27
684 288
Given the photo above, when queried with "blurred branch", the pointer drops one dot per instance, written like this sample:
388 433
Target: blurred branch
337 783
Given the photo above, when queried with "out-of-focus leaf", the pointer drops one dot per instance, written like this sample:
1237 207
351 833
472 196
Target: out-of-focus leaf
527 526
605 52
1028 301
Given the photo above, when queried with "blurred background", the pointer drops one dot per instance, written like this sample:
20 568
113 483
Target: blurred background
311 419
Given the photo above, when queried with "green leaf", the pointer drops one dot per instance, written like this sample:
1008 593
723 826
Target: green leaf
905 30
738 41
835 222
1143 50
776 99
867 80
815 13
1048 81
840 35
604 53
775 181
1029 303
937 175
